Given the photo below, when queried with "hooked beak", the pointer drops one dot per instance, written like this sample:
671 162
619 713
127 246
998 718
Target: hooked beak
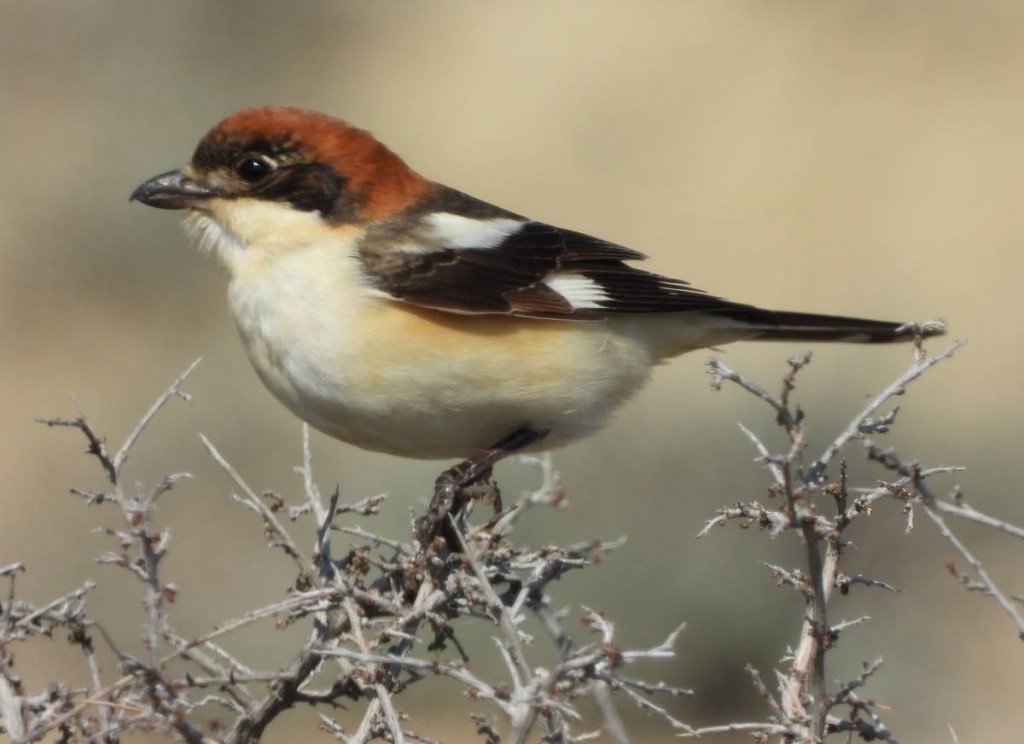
172 190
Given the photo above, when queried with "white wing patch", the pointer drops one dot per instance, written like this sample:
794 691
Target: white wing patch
579 291
456 231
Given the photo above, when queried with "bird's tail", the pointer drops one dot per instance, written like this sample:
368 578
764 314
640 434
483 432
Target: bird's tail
776 325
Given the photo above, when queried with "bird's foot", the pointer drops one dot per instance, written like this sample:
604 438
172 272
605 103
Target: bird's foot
459 486
455 490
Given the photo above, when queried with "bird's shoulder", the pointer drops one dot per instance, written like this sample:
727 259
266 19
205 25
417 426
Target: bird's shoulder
454 252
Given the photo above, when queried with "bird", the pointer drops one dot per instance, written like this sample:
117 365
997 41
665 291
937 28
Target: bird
403 316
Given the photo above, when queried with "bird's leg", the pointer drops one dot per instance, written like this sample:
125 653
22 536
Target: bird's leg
449 486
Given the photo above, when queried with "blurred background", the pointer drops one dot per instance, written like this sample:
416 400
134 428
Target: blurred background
855 158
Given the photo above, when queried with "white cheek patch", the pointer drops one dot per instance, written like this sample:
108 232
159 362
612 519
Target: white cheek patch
579 291
210 236
456 231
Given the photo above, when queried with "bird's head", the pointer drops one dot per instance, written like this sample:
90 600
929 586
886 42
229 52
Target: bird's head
266 171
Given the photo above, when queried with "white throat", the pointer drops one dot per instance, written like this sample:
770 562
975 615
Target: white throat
251 235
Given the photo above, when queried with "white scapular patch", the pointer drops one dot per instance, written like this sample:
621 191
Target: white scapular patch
456 231
579 291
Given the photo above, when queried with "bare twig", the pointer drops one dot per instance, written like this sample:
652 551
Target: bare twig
898 387
802 712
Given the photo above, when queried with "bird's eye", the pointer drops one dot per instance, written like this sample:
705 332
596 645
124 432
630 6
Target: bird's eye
253 169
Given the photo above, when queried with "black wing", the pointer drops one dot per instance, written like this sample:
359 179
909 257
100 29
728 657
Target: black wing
426 256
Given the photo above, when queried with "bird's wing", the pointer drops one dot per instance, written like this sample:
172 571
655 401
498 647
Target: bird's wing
456 253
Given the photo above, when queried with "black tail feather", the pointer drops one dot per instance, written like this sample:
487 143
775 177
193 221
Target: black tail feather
777 325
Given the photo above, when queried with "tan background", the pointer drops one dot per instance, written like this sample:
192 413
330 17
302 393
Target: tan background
862 158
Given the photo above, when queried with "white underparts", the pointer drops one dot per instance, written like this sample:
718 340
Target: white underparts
579 291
